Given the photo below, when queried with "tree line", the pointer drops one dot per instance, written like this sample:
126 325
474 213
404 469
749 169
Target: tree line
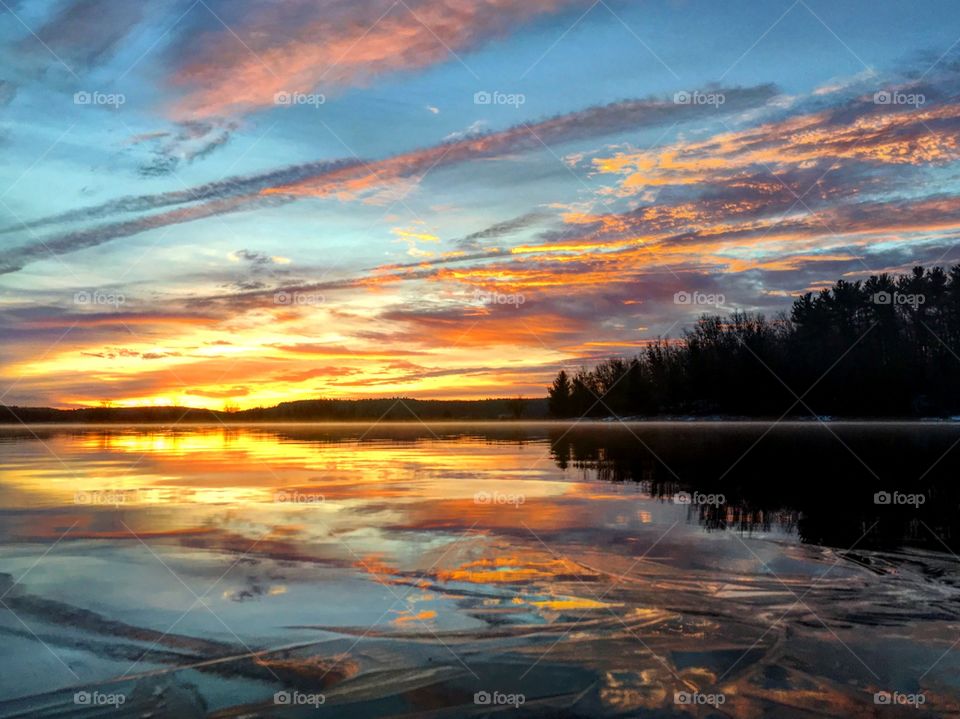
393 409
886 346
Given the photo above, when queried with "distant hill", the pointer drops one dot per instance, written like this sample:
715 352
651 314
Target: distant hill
396 409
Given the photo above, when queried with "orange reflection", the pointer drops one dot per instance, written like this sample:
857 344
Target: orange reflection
511 570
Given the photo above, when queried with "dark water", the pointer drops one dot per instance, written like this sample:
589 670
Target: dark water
670 569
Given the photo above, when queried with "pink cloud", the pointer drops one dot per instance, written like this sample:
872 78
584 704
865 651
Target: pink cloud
327 46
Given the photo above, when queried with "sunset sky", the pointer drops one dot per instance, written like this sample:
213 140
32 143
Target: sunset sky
249 201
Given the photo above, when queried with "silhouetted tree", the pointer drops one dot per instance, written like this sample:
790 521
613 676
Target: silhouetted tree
583 400
883 346
517 406
559 394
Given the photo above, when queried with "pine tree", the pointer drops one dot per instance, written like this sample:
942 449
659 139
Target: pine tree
560 395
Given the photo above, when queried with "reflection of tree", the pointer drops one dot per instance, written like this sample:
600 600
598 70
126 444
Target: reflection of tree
611 463
799 478
746 520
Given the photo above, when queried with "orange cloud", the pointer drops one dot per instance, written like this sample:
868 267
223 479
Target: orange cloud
883 136
354 180
338 45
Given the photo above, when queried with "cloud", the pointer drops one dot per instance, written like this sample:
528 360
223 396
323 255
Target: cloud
474 128
255 258
352 179
483 327
474 242
16 258
115 352
189 142
858 131
301 46
219 190
260 268
84 33
8 90
726 218
592 122
847 82
315 350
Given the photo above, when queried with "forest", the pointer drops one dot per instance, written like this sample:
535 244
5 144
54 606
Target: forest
888 346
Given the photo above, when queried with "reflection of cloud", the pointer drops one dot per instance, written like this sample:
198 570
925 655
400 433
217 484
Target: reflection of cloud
408 615
255 589
513 570
563 604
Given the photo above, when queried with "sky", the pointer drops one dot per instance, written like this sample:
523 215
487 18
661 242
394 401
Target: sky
234 203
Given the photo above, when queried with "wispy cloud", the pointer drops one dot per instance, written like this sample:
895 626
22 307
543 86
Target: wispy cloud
351 179
187 142
302 46
85 33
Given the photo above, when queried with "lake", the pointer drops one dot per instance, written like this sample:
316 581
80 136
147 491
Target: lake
447 570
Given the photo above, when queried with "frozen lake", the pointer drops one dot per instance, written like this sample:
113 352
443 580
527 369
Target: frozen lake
454 570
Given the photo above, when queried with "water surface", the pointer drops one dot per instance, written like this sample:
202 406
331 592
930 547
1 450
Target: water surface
396 570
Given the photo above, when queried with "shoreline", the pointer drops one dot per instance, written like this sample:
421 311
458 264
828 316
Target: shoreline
586 422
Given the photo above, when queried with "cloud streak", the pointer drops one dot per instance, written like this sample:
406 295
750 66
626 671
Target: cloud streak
600 121
350 179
